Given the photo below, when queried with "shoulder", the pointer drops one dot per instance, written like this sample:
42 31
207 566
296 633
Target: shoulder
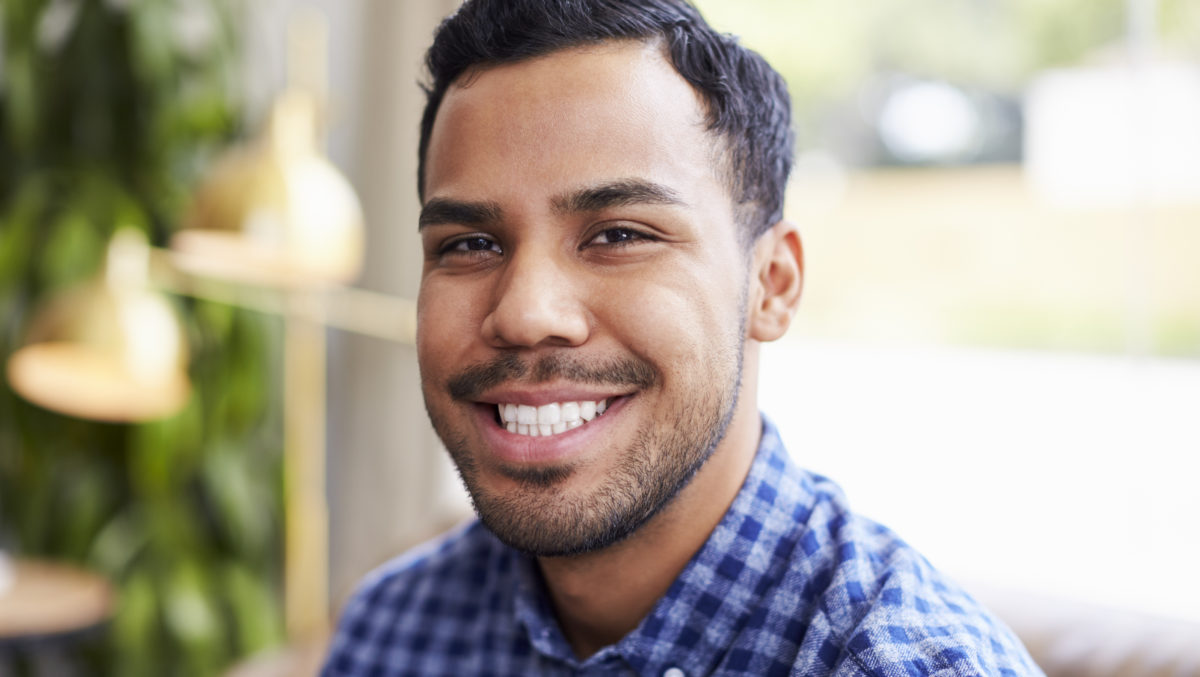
425 596
884 609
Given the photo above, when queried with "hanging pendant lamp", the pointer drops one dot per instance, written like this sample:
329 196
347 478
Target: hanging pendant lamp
109 349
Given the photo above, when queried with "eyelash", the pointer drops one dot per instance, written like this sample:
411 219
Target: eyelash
633 236
630 236
451 247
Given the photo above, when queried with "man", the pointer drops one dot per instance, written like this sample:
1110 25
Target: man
602 186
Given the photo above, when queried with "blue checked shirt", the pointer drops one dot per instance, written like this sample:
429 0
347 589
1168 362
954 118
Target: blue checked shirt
789 583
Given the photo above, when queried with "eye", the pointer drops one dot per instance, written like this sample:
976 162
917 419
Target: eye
618 237
471 244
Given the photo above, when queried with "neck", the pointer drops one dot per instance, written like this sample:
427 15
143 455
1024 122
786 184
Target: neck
602 596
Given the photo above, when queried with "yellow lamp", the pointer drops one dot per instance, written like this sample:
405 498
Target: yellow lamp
275 212
109 349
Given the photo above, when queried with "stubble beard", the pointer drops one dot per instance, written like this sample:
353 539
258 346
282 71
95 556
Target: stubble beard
540 518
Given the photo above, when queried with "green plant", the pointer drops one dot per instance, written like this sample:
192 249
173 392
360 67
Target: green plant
108 111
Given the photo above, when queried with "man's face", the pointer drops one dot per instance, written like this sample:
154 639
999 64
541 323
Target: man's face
580 253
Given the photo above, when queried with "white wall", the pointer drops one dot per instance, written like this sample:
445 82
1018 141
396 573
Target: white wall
1070 475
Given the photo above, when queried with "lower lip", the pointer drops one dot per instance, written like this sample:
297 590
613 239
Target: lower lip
526 450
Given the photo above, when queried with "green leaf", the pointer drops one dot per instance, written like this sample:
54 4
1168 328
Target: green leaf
193 618
152 44
239 509
188 609
17 230
151 461
73 252
21 100
136 631
119 542
87 499
256 607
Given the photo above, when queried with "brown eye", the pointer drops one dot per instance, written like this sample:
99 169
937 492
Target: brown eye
618 236
474 243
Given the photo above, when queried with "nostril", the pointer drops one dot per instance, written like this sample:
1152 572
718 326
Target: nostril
533 305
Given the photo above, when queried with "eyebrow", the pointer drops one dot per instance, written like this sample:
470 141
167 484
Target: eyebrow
438 211
620 193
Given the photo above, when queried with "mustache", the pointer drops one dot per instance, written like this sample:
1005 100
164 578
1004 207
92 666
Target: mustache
478 379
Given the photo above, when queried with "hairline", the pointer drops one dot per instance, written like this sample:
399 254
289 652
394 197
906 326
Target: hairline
720 148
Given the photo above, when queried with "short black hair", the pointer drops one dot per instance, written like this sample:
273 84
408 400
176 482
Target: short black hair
747 102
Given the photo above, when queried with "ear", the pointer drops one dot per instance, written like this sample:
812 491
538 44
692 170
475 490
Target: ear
777 279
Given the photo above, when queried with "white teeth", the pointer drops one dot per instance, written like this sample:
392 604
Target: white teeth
549 414
570 411
548 419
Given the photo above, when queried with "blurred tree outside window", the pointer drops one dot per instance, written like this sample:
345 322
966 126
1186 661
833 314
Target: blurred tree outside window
108 112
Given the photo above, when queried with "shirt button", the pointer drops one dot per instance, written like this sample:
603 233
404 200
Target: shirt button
674 672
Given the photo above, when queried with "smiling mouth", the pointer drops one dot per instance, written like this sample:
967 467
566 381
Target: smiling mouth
550 419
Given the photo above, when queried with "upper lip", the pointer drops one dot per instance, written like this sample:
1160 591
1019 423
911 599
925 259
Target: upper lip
539 396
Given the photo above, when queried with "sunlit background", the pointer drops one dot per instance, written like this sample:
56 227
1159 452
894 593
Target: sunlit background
996 354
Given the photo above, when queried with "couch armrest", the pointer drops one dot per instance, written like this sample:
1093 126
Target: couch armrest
1068 638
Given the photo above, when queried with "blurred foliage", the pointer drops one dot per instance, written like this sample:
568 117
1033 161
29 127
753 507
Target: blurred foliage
108 111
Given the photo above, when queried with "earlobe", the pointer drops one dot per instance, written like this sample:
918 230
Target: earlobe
778 280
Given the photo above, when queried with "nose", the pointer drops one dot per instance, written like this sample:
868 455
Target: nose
536 302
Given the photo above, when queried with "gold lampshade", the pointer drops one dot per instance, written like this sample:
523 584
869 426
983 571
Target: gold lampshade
109 349
275 212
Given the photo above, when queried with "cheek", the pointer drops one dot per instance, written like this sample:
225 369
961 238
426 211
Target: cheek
678 323
442 328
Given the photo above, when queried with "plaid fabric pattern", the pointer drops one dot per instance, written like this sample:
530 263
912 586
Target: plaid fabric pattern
789 583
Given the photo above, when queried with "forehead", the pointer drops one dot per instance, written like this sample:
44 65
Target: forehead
575 117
